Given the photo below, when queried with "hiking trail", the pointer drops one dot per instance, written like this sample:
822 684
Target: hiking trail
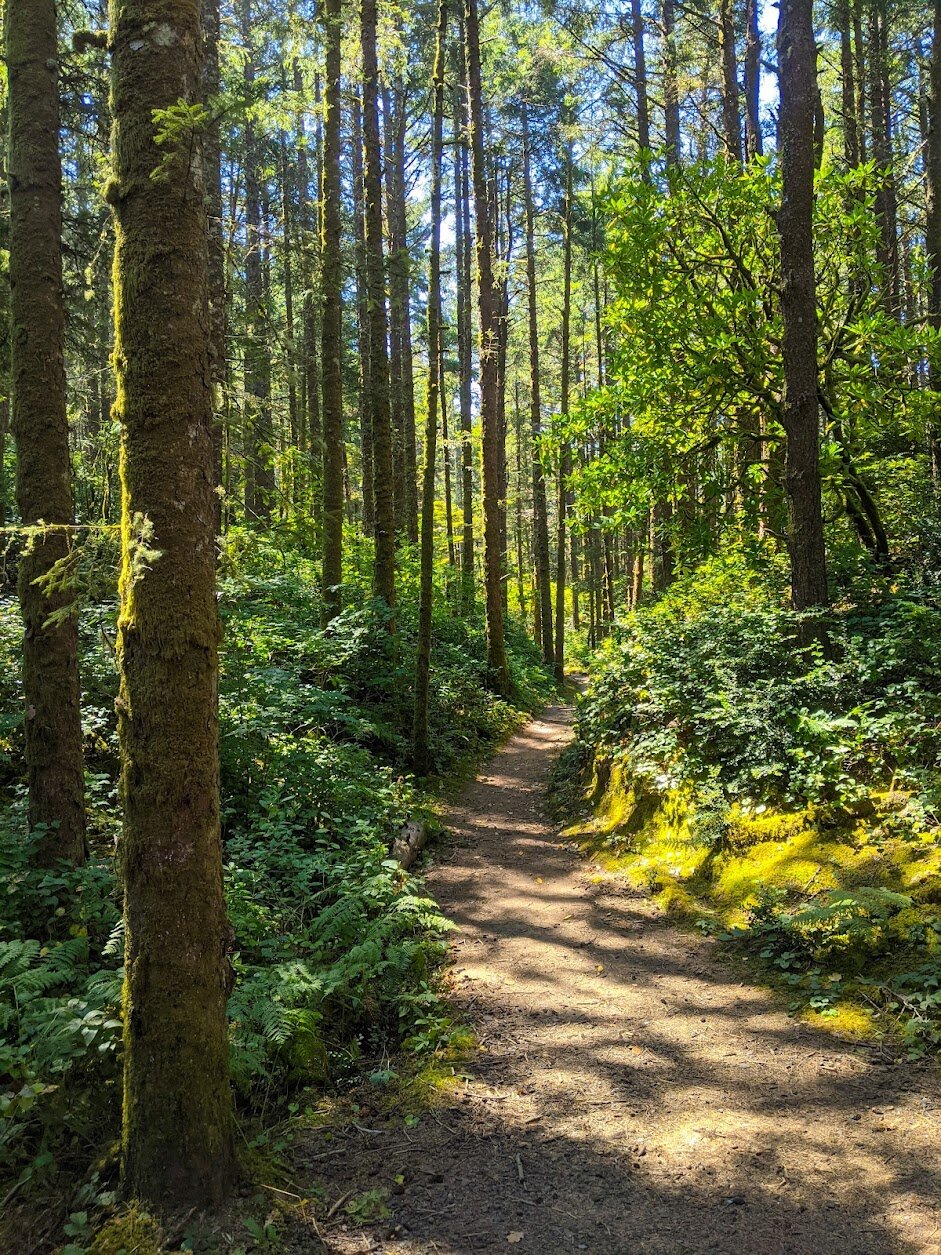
630 1094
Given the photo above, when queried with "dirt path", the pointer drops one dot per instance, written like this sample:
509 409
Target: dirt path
631 1094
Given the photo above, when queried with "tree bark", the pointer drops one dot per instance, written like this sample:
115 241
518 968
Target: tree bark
213 158
933 227
565 454
420 747
378 399
731 120
462 248
178 1132
487 298
51 690
540 513
753 141
332 317
798 60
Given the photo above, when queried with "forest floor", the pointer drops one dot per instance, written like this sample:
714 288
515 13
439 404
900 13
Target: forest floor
630 1092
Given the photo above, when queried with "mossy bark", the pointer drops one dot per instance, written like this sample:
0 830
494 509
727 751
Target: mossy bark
332 325
177 1133
40 428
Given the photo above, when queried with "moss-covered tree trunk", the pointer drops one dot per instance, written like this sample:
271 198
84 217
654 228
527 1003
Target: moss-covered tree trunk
332 322
177 1135
487 298
52 722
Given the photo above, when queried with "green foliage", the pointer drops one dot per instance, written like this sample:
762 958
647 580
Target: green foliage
812 775
708 686
336 949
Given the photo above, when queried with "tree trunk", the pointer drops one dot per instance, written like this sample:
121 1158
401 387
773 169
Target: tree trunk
332 317
565 455
212 148
731 121
848 87
797 51
362 321
259 436
671 98
487 298
51 691
933 227
880 112
640 81
753 142
420 748
178 1129
540 513
462 249
378 399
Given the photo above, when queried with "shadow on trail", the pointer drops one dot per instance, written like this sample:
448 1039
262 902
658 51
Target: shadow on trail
630 1093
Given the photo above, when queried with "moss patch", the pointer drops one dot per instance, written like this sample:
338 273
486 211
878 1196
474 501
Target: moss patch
834 907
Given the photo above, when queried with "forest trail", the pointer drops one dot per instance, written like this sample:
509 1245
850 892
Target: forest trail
630 1094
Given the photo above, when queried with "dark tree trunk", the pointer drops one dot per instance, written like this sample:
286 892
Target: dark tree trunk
565 455
421 755
797 51
754 146
731 120
488 303
332 317
881 115
178 1127
462 248
362 322
51 691
540 514
213 158
671 97
381 420
933 226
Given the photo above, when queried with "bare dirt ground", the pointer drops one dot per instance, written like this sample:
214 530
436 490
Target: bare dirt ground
631 1093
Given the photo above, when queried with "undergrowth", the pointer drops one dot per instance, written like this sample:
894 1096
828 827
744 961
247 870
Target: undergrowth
337 948
787 796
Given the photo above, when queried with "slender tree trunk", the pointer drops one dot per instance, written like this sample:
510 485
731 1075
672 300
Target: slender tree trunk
462 249
797 50
848 87
381 420
880 112
731 120
422 761
213 159
753 142
565 455
640 80
399 262
259 444
540 513
362 323
51 690
671 98
297 460
487 298
178 1129
332 317
933 227
446 467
